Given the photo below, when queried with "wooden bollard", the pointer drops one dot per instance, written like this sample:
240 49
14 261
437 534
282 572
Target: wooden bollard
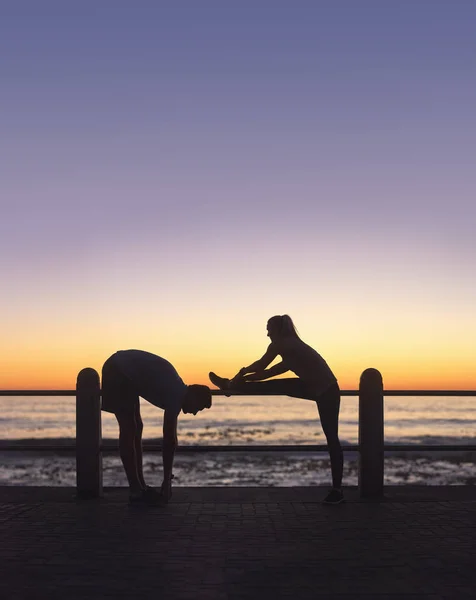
88 435
371 434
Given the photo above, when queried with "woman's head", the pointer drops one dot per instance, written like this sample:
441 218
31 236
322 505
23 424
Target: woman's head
281 326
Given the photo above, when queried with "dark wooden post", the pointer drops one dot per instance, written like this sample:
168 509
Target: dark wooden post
88 435
371 434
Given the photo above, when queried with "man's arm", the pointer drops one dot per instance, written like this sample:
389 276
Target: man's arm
266 374
169 443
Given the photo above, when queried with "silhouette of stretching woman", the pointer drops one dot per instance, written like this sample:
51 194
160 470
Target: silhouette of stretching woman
314 381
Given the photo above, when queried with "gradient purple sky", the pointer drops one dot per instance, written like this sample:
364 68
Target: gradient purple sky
172 174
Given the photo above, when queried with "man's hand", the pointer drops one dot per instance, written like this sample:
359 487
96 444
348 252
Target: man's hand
166 490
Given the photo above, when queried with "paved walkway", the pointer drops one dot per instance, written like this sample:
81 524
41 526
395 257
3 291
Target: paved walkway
234 543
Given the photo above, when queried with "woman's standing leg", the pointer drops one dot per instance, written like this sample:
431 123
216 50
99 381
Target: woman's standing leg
328 406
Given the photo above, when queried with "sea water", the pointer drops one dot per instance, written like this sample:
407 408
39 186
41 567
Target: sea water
250 420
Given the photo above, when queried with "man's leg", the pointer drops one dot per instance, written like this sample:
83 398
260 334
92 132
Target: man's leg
328 406
127 450
138 444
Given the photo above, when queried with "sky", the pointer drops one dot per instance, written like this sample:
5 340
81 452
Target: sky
174 174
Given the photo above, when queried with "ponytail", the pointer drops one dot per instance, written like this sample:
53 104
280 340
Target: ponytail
288 327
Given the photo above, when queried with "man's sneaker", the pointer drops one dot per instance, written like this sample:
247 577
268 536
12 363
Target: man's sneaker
221 382
136 498
334 497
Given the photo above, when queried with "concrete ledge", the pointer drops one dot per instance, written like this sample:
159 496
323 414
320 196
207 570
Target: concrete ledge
239 544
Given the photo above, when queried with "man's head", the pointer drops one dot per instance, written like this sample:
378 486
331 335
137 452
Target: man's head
197 397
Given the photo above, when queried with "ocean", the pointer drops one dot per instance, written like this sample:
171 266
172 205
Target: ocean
250 420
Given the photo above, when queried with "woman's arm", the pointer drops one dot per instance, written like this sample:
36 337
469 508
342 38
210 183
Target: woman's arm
261 364
266 374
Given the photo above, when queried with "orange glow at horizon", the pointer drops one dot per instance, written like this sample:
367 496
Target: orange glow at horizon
62 374
45 357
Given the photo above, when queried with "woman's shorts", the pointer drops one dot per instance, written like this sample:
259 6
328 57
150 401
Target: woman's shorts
118 394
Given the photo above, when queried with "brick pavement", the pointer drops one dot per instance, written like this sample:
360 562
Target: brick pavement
237 543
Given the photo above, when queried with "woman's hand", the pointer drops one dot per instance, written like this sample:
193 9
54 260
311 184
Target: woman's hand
241 373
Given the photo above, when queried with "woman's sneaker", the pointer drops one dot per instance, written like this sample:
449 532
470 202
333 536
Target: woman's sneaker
147 497
334 497
221 382
152 497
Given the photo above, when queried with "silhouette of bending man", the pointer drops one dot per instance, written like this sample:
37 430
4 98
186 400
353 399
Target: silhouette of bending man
128 374
314 381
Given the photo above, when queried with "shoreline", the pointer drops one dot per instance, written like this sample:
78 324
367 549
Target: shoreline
240 468
66 446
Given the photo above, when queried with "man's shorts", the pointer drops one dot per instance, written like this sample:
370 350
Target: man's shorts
118 394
